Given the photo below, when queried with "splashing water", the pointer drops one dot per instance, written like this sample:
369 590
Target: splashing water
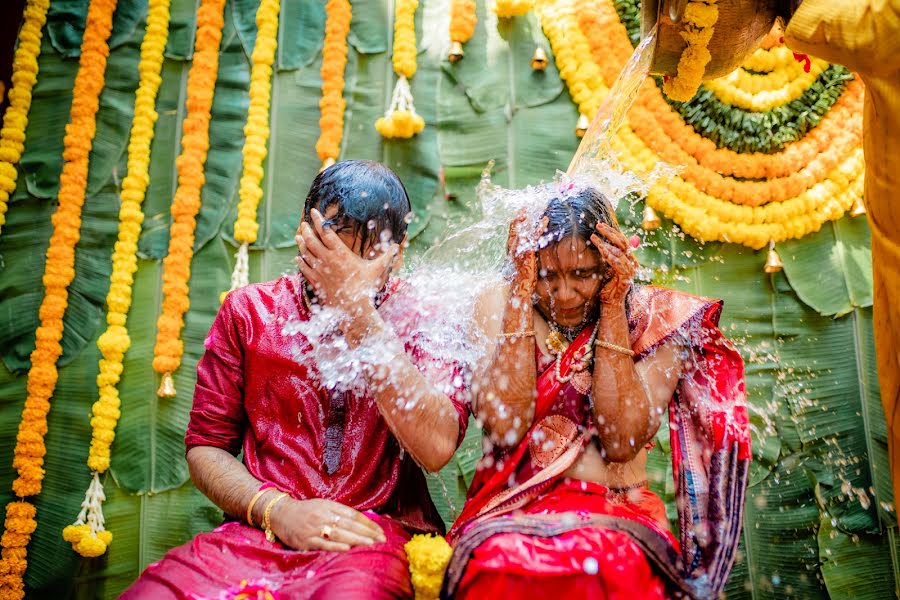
433 311
614 109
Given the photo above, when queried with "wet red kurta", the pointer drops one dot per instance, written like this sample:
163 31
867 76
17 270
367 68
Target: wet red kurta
253 395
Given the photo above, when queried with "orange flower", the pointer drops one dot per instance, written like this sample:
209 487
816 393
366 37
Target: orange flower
201 85
28 456
334 59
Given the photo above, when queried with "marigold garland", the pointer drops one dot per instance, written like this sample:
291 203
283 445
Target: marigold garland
15 119
201 85
401 119
734 90
700 18
812 180
462 20
87 535
28 456
428 558
334 59
256 137
511 8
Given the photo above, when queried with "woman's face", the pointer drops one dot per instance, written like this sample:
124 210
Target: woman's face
570 276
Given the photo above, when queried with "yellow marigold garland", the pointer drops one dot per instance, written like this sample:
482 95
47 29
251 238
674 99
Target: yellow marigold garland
428 558
744 90
87 535
401 119
256 136
201 84
25 70
572 54
700 17
59 270
334 59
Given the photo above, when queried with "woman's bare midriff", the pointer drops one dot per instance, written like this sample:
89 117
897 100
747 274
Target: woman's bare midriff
590 466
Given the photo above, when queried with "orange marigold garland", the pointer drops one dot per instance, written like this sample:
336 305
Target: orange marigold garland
88 535
25 70
462 26
201 85
401 119
28 457
334 60
256 137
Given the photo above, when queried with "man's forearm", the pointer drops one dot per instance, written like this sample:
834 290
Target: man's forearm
422 418
227 482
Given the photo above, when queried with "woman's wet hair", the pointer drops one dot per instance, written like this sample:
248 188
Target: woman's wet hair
576 213
370 199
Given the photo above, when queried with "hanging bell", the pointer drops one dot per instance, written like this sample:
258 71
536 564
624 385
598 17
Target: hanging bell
858 209
539 59
456 52
650 220
582 126
773 261
327 163
166 387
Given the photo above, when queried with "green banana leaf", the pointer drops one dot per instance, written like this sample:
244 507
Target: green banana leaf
820 520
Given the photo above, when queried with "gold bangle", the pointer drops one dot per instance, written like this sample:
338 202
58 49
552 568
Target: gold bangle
614 348
517 334
250 506
267 526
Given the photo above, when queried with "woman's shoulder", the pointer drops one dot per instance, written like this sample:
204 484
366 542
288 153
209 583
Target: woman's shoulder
655 314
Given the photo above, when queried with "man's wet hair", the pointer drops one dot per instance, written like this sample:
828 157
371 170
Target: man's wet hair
370 199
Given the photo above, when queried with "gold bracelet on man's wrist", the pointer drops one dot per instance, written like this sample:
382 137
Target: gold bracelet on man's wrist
267 525
614 348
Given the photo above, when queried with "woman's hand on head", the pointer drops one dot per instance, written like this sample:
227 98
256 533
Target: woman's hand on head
339 277
621 263
521 247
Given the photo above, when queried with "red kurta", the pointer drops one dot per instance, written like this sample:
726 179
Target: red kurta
253 395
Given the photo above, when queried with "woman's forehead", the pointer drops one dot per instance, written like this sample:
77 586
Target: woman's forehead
569 253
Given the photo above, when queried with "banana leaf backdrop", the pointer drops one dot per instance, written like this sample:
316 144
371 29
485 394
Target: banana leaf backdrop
819 521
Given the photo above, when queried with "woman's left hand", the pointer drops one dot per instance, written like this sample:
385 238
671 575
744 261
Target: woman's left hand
340 278
620 262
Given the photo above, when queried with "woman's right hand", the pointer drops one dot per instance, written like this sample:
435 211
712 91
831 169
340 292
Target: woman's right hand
323 525
521 248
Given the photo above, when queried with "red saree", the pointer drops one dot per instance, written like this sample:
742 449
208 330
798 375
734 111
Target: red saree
525 529
252 395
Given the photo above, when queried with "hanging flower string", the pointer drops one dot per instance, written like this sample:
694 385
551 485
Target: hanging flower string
88 535
28 456
201 85
25 70
700 17
334 60
428 558
256 137
462 26
401 119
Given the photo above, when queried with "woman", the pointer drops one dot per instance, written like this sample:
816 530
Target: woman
582 367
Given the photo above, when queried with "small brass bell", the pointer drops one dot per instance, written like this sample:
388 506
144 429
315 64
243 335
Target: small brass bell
650 220
166 387
456 52
773 261
582 126
327 163
539 59
858 209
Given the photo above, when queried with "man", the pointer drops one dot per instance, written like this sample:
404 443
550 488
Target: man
328 490
864 36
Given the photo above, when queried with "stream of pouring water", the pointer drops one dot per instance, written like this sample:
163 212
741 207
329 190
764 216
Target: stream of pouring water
614 110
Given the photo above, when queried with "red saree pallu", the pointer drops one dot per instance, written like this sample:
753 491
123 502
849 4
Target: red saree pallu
529 531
